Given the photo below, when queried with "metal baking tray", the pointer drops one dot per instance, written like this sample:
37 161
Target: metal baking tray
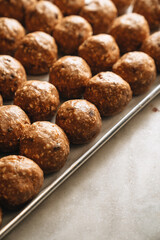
79 154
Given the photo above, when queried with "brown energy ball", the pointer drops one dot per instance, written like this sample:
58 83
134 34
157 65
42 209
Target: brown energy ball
12 76
15 8
150 9
109 92
43 17
11 32
71 32
70 74
46 144
80 120
1 100
21 179
37 52
100 14
138 69
151 46
38 99
0 216
100 52
69 7
12 122
122 5
129 31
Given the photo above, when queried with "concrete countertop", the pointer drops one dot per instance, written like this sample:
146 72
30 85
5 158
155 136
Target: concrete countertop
114 196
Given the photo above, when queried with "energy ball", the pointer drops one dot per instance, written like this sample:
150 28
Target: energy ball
0 216
122 5
1 100
15 8
70 75
69 7
38 99
150 9
129 31
80 120
21 179
37 52
109 92
12 122
46 144
100 14
12 76
43 17
100 52
151 46
71 32
11 33
138 69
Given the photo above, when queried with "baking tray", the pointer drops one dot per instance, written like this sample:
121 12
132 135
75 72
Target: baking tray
79 154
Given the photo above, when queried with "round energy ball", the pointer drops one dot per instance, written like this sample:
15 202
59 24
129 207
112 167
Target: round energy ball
42 17
138 69
37 52
109 92
21 180
46 144
100 14
150 9
122 5
70 75
15 9
11 33
71 32
151 46
12 76
80 120
129 31
13 120
100 52
69 7
38 99
1 100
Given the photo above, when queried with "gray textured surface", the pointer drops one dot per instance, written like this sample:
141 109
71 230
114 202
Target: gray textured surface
114 196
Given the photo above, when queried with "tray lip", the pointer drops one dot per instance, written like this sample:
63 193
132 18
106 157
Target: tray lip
80 161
